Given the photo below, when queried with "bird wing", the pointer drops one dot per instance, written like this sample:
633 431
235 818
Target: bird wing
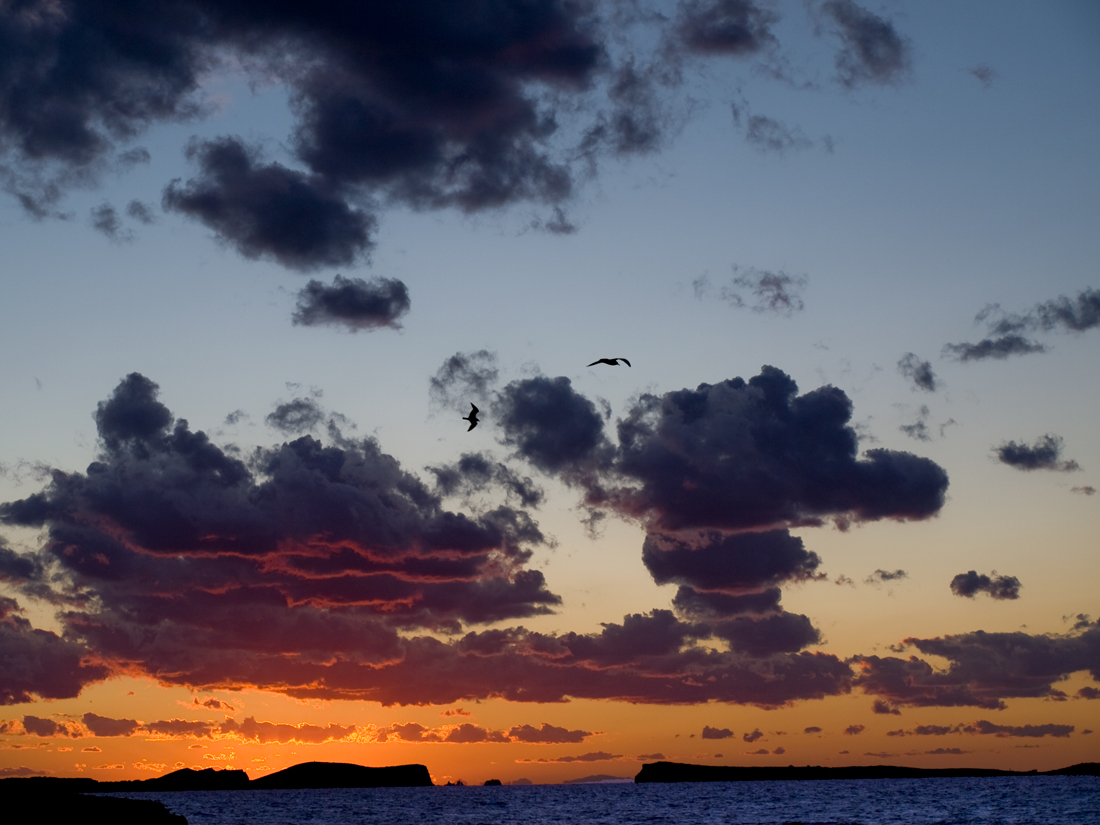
625 361
595 362
473 424
474 410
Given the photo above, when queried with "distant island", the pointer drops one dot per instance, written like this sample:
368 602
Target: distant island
682 772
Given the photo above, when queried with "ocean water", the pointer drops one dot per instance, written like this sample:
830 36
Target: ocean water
1058 800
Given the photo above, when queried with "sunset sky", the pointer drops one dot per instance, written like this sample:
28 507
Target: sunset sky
258 259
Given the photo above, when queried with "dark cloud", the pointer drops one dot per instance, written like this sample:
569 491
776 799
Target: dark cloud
853 730
39 663
251 730
738 562
1076 314
105 726
752 737
812 729
552 426
874 51
997 587
37 726
752 454
547 734
1087 490
104 219
269 211
983 670
884 708
1044 454
702 605
353 303
1029 731
763 636
463 376
716 733
999 348
725 27
325 561
1088 692
882 576
917 371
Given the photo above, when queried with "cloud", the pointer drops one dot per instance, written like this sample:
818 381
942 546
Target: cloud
40 663
1044 454
269 211
716 733
1088 692
753 454
725 27
999 348
984 668
463 376
946 752
1030 731
475 473
299 415
717 562
884 708
918 429
883 576
1076 314
325 562
547 734
971 584
1087 490
353 303
775 292
812 729
595 756
873 50
762 290
752 737
917 371
853 730
985 74
142 212
37 726
104 726
251 730
105 220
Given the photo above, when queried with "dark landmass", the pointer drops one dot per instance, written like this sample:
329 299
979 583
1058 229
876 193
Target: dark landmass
343 775
681 772
493 782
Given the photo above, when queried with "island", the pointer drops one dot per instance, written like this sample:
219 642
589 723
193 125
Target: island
683 772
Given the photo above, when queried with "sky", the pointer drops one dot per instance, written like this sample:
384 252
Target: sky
259 259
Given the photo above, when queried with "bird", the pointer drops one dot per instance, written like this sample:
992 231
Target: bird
614 362
472 417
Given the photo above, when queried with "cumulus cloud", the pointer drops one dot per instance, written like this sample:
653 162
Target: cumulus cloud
325 561
353 303
884 708
268 210
300 415
917 371
873 50
1044 454
752 737
972 583
984 668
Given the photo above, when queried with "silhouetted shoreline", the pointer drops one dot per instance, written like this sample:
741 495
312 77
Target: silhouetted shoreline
683 772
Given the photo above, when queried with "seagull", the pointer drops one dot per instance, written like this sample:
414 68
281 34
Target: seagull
614 362
472 417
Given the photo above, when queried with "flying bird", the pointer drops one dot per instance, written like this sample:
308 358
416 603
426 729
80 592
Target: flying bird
614 362
472 417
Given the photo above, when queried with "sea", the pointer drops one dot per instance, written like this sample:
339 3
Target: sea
1059 800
